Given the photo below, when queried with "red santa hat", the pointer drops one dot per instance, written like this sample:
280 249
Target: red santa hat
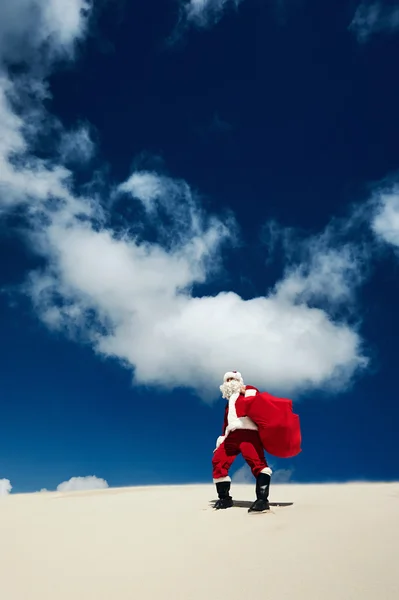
233 375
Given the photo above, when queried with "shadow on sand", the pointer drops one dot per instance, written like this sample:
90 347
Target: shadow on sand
247 503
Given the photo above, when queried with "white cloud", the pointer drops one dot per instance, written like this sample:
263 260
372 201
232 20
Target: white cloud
5 487
82 483
324 269
282 475
133 300
331 273
204 13
142 301
243 475
372 18
33 33
148 188
76 147
51 26
385 223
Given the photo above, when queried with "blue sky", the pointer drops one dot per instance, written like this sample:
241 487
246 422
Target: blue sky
188 188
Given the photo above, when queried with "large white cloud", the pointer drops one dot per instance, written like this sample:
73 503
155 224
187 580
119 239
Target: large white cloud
134 300
5 487
137 294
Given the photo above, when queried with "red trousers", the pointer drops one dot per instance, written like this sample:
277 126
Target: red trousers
244 441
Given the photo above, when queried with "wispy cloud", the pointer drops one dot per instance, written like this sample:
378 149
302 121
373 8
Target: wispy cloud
326 268
385 222
137 293
283 475
76 147
373 17
243 475
205 13
5 487
50 30
33 34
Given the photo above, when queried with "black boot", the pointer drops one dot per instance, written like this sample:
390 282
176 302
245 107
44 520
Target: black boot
225 500
261 503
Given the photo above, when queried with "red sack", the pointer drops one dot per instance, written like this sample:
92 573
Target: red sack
279 428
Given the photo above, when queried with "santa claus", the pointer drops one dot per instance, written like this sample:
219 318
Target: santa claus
240 435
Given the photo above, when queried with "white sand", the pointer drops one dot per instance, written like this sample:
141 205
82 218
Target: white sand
337 542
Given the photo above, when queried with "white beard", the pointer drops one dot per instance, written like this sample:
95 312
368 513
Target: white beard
230 387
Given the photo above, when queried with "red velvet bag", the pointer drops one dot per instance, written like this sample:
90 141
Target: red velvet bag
279 428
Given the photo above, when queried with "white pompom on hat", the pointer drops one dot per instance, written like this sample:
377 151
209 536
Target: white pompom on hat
234 375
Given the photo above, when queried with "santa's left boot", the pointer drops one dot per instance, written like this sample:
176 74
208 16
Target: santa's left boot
261 503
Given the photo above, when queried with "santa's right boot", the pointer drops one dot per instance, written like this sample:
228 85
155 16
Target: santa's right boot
261 503
225 500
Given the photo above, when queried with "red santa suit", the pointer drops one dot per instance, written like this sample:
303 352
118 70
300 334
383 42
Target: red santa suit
256 421
239 435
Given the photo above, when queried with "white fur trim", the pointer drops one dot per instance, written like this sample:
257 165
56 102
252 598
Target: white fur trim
235 375
235 422
241 423
232 413
267 470
222 479
249 393
220 440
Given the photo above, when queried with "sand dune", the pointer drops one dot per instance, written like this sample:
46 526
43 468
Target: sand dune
327 542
